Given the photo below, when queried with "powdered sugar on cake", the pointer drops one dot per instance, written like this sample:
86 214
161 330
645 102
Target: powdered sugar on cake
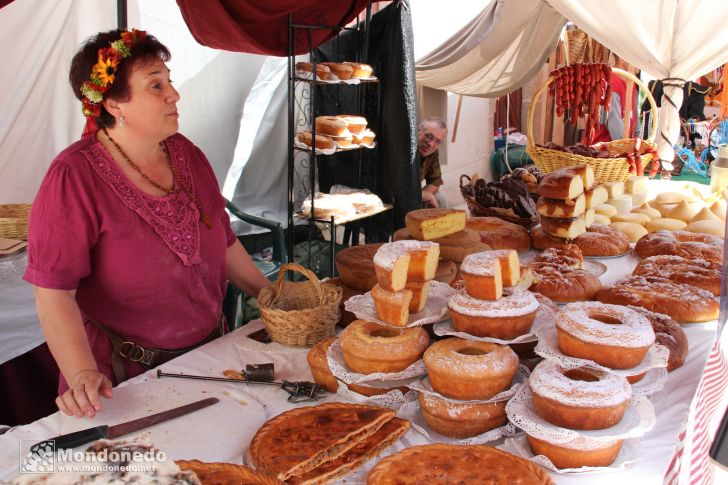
630 329
548 380
514 303
388 254
481 264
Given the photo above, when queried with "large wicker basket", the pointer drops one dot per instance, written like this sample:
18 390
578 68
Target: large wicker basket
299 313
605 169
14 221
476 209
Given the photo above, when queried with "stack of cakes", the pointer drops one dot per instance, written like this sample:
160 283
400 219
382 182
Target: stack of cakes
404 270
567 201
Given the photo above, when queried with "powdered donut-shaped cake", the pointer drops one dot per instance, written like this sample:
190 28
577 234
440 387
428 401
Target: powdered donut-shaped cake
610 335
461 419
580 398
470 370
577 453
505 318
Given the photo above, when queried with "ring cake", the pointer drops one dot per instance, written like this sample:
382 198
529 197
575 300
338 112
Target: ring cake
461 419
370 348
355 265
392 306
577 453
397 262
610 335
689 245
683 303
580 398
322 72
506 318
669 334
331 126
470 370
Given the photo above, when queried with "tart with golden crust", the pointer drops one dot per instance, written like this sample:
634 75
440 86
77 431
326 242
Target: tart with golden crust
456 464
359 454
226 473
297 441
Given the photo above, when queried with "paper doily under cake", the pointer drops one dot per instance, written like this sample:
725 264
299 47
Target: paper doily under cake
638 419
335 359
412 412
519 447
544 320
548 348
435 310
393 399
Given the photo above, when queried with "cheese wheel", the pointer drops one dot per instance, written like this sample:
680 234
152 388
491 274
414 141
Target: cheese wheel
683 211
635 217
719 208
664 208
615 189
707 226
649 211
671 198
665 224
605 210
602 219
638 199
705 214
623 203
595 196
636 184
632 230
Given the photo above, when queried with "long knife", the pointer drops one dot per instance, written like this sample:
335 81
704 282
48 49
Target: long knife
78 438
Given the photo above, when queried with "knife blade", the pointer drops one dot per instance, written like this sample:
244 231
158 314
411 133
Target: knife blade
78 438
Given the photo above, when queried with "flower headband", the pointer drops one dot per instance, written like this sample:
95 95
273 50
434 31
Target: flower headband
103 72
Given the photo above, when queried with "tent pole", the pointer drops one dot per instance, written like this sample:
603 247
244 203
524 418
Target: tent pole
121 18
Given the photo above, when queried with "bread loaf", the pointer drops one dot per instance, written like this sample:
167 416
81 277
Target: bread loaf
341 70
331 126
562 184
322 142
563 228
322 72
561 208
595 196
361 70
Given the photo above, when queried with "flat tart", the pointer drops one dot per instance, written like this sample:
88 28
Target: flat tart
352 459
225 473
299 440
456 464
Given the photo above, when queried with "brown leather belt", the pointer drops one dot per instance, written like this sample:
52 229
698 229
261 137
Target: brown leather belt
147 357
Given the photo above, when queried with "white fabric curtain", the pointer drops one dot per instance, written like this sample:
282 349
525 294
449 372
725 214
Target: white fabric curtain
40 115
498 51
679 39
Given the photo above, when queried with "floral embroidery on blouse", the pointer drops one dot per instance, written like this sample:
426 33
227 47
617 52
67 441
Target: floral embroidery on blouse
174 218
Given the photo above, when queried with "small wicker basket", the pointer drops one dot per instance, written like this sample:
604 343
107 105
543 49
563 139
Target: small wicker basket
605 169
14 221
476 209
299 313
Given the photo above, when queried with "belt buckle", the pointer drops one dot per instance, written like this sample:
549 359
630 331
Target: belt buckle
132 351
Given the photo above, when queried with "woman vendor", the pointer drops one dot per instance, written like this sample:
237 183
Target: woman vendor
130 248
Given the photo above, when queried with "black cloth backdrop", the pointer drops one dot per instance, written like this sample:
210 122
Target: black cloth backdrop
261 27
390 170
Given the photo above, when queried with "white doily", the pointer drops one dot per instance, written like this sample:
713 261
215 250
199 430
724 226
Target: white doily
393 399
335 358
544 320
519 447
412 412
651 383
638 419
435 310
548 348
423 385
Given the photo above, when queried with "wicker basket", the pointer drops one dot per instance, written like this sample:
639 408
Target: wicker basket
14 221
299 313
605 169
477 209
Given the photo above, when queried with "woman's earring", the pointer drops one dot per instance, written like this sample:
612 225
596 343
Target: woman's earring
121 121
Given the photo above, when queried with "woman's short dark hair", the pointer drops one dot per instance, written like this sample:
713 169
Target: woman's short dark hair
144 50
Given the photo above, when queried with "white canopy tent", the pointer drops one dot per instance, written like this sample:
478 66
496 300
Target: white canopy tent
673 40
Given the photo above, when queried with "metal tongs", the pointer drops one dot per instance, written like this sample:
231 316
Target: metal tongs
263 374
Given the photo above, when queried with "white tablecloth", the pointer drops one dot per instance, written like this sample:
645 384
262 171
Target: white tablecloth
19 326
223 432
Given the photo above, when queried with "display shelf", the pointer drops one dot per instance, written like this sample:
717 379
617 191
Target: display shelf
345 220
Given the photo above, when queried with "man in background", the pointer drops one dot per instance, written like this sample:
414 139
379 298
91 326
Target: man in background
431 133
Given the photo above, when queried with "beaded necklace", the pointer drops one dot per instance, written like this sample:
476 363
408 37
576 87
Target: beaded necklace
175 178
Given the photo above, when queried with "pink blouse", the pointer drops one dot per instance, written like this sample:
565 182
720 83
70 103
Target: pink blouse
144 266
